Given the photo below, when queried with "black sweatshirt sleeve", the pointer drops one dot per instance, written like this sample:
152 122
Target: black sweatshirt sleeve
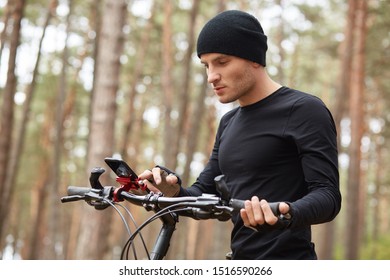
312 127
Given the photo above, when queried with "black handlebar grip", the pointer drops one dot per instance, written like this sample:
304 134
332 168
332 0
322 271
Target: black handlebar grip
238 204
275 208
72 190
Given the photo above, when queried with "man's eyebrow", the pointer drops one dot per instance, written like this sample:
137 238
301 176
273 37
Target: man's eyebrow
215 58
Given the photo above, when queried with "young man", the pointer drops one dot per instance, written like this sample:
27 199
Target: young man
278 145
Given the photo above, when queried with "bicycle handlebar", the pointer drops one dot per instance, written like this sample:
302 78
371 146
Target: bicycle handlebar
101 197
206 206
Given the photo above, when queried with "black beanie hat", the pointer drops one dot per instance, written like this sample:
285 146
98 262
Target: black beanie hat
234 33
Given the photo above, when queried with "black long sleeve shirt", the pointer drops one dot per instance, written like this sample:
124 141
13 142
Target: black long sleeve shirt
282 148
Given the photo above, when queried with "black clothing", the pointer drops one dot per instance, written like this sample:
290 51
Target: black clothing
282 148
234 33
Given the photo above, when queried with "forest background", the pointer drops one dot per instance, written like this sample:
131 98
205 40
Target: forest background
84 80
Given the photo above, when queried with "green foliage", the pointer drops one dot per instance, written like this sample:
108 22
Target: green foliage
377 250
370 249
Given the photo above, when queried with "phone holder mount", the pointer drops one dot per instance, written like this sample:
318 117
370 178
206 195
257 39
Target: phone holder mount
126 177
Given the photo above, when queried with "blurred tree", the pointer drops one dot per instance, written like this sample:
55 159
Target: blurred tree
3 37
135 79
185 89
96 228
355 188
167 85
7 111
18 146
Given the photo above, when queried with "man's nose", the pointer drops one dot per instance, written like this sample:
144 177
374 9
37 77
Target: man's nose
213 76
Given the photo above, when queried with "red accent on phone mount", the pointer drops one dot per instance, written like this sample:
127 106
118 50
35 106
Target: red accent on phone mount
128 184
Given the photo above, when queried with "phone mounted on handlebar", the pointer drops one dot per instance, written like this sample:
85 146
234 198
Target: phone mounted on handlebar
121 168
125 176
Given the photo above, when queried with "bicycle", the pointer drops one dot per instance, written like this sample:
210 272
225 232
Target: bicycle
167 209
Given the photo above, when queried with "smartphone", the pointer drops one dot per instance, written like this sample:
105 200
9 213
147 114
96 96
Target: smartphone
120 168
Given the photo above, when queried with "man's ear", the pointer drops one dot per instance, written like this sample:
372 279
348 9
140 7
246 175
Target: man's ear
256 65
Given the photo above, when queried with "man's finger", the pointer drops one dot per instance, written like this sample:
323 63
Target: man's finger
157 175
249 212
257 211
147 174
151 187
269 216
244 217
171 179
284 208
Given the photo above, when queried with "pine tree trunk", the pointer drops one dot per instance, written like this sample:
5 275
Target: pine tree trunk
184 97
354 186
130 112
95 225
343 88
3 35
54 218
7 114
168 86
17 148
195 128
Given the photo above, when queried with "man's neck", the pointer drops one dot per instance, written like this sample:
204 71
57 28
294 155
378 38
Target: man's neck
264 87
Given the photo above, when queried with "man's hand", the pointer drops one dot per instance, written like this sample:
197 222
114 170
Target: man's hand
258 212
158 180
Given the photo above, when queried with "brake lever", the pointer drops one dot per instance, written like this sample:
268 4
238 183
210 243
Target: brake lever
99 198
71 198
91 198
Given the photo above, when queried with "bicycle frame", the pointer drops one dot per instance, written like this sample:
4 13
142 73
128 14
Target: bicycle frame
162 243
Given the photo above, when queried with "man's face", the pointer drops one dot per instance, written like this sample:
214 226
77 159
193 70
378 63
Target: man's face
231 77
